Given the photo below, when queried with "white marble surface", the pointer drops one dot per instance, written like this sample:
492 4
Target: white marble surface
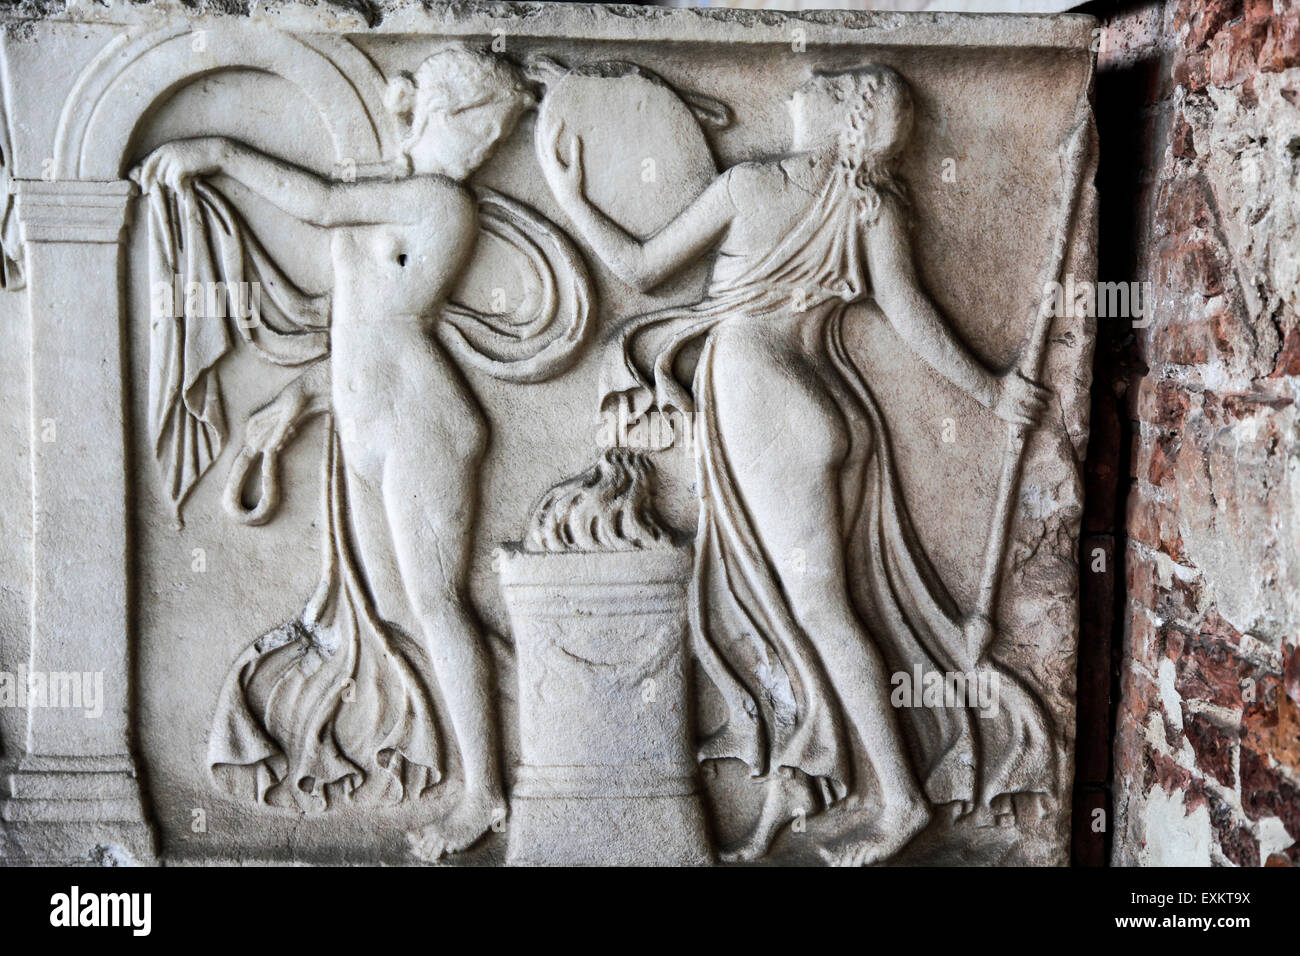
303 561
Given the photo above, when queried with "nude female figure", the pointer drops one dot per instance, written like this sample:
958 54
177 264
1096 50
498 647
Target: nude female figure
781 421
412 433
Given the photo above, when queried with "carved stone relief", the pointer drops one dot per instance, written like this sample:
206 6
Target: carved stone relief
546 436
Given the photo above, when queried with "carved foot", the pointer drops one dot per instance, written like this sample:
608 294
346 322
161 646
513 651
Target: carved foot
459 830
865 840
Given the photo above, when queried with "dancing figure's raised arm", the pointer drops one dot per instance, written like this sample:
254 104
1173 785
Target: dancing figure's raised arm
642 265
898 291
299 192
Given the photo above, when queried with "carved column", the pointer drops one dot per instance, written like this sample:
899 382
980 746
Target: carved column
75 794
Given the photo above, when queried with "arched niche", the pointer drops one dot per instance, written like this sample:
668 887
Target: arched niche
134 73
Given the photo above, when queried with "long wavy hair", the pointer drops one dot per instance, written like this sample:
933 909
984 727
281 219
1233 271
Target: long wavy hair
874 106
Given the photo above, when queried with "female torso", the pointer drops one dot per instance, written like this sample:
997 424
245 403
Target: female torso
406 266
770 199
391 281
780 353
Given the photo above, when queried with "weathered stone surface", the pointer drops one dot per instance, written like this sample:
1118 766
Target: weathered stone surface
1206 764
763 301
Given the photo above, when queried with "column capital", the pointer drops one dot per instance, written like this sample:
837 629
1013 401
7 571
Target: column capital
71 210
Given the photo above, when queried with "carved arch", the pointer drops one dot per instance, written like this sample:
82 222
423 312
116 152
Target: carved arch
134 72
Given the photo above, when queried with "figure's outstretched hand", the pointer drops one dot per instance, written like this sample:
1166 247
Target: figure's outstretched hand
174 164
560 155
1020 400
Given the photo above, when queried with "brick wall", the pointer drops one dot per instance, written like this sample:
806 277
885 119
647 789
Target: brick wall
1190 664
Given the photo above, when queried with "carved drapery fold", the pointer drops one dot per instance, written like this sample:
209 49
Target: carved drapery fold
198 244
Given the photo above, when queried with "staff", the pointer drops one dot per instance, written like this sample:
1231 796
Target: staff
979 625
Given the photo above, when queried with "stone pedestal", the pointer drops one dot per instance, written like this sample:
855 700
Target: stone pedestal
608 772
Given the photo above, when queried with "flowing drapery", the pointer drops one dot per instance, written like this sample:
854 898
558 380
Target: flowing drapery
335 701
204 266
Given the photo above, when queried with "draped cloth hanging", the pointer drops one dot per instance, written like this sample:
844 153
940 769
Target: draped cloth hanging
202 264
781 708
338 701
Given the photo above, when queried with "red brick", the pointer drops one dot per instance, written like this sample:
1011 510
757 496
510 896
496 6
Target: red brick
1281 47
1264 793
1288 357
1174 642
1239 405
1181 343
1136 695
1186 203
1182 450
1212 745
1270 724
1192 72
1214 628
1239 845
1201 268
1164 456
1181 141
1209 671
1140 579
1163 403
1142 633
1256 11
1234 52
1172 778
1206 19
1291 675
1154 525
